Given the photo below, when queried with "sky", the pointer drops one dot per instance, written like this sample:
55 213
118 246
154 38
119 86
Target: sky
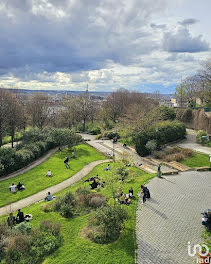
142 45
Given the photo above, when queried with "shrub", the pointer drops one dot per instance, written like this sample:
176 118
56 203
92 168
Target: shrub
50 227
111 134
106 223
42 244
95 130
24 228
140 143
47 207
167 113
151 145
99 136
163 132
123 172
97 200
201 137
65 205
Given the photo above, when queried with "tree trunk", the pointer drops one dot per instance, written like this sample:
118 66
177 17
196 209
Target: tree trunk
12 138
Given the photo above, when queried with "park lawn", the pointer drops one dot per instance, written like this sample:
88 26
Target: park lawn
77 249
198 160
35 179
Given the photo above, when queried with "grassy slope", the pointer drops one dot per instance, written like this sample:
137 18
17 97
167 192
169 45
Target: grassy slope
76 249
35 179
198 160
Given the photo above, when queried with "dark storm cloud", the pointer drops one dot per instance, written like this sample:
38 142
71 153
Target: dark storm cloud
69 35
182 41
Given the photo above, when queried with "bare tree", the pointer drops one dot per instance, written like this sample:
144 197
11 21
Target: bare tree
4 106
39 110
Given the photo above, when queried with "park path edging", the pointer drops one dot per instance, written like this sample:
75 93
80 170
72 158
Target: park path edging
53 189
31 165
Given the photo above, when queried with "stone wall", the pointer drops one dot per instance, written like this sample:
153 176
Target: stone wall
195 119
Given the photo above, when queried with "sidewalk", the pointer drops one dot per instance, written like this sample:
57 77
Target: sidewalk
53 189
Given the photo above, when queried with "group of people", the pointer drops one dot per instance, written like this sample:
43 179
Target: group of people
125 198
95 182
14 188
12 220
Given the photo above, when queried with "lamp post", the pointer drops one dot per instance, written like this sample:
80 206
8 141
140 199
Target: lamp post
114 141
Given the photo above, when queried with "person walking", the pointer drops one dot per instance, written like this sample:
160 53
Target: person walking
66 163
144 192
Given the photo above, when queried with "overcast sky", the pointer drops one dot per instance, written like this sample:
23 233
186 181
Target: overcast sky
144 45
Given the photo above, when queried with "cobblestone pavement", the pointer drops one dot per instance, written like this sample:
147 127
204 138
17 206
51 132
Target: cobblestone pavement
171 218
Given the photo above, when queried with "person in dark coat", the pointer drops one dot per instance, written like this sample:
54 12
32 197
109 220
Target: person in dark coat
66 162
20 217
144 192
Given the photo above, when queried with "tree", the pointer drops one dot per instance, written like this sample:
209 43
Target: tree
180 94
4 106
39 110
14 117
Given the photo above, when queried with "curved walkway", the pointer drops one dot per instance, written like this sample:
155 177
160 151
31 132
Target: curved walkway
53 189
30 165
190 142
172 217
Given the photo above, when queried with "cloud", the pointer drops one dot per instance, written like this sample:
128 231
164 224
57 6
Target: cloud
156 26
182 41
70 35
188 21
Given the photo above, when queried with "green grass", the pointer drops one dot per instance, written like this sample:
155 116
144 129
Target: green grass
35 179
77 249
207 239
198 160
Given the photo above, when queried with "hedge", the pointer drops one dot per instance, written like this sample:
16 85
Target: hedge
163 132
35 143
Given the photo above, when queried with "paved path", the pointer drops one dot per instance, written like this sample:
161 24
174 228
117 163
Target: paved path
54 189
31 165
172 217
107 147
190 142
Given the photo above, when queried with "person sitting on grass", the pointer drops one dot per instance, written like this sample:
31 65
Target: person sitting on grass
127 199
13 188
49 174
94 184
11 220
131 192
107 168
20 217
49 197
20 186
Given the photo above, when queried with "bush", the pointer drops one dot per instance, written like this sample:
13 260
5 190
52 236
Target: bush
107 223
65 205
111 134
35 143
50 227
167 113
97 200
122 172
47 207
95 130
163 132
24 228
201 137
